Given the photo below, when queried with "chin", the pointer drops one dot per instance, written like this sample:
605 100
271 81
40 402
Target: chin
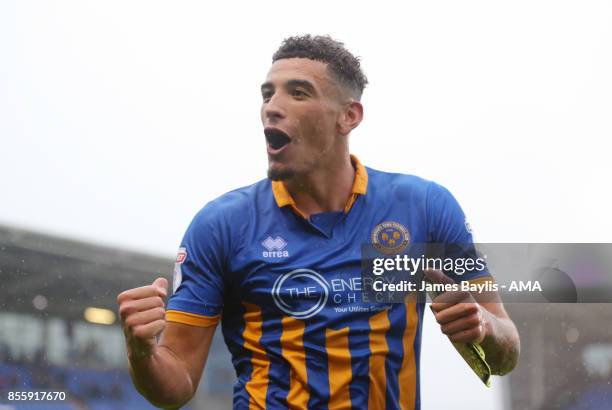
280 174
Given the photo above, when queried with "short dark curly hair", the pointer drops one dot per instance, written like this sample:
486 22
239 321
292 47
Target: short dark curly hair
344 66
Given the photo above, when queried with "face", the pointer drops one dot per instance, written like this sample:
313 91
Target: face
300 112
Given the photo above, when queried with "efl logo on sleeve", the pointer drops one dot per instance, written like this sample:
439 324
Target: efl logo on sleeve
181 255
177 277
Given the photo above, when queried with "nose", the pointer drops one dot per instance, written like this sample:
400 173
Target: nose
273 110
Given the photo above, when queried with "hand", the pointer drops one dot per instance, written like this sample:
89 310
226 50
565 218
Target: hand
143 316
460 317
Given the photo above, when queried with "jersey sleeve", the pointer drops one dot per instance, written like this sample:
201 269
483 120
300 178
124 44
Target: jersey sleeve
198 282
447 224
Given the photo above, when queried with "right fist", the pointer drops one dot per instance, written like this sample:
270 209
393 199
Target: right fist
143 316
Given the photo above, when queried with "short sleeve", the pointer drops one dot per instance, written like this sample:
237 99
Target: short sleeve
199 272
447 224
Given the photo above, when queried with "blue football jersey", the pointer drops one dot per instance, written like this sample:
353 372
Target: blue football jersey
288 291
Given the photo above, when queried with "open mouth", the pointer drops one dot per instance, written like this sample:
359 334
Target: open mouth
276 138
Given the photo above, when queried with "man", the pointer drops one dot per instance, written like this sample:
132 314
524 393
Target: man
279 263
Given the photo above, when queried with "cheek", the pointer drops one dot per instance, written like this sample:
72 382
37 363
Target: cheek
321 122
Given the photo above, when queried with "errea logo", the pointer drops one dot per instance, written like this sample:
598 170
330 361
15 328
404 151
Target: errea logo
274 247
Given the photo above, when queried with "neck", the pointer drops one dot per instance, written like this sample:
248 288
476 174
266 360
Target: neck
327 189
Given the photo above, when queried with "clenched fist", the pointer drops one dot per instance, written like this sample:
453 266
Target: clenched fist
143 316
460 317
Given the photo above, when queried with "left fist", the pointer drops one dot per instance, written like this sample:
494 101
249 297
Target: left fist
460 317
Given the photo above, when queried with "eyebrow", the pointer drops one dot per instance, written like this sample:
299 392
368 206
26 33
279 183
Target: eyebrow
292 84
266 86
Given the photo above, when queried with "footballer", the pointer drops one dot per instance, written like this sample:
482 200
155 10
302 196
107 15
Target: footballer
278 264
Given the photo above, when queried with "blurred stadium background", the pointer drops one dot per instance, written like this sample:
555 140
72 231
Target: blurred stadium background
59 331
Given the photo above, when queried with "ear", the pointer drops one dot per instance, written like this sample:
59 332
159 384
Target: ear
351 116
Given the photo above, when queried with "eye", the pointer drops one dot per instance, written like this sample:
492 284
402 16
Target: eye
266 95
299 94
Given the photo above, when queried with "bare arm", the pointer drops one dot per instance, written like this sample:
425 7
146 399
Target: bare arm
167 372
501 342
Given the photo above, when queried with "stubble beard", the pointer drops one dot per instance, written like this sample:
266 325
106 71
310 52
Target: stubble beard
280 174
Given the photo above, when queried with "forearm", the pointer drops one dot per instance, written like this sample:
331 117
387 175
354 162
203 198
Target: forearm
161 378
501 344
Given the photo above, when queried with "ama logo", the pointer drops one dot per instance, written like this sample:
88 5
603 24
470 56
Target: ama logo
274 247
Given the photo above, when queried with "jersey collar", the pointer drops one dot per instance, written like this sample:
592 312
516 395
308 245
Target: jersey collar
360 187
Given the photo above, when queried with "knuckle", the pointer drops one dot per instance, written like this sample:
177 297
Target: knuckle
123 311
130 322
126 309
474 320
473 334
138 332
471 308
123 297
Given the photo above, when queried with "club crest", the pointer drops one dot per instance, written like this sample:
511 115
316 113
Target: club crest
390 237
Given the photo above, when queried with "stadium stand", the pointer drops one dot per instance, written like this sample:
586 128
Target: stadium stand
46 342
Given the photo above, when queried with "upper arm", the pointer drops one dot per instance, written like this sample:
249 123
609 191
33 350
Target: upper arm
190 345
198 283
195 307
448 228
